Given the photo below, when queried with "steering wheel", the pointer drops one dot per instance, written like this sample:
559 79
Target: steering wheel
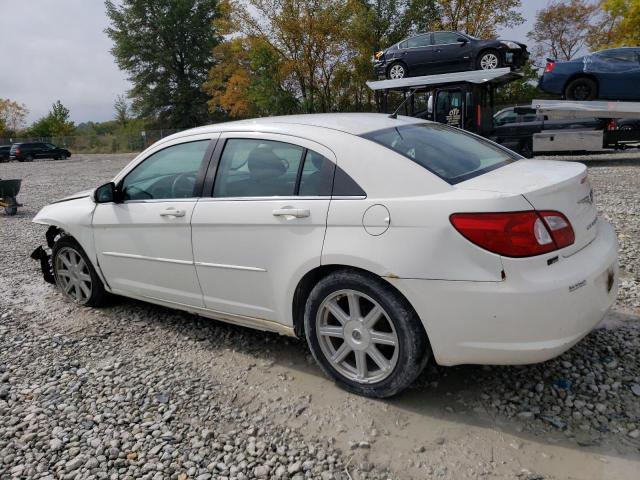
182 185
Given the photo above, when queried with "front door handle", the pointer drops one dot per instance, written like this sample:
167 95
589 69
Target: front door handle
291 212
172 212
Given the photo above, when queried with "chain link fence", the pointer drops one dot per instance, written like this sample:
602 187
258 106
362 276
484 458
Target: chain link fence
107 143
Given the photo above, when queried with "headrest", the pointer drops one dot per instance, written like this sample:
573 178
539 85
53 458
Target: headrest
264 164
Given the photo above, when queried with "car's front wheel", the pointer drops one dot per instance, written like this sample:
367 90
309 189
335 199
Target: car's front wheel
396 71
581 89
62 156
75 276
489 60
364 335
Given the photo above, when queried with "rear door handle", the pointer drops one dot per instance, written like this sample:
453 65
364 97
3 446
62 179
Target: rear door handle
291 212
172 212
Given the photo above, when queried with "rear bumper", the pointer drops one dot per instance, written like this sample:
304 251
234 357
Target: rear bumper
526 318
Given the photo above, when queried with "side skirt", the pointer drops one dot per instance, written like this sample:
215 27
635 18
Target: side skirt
232 318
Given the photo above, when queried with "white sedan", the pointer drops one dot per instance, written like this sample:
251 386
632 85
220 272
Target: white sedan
382 241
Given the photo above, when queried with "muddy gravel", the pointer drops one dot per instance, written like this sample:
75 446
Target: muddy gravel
140 391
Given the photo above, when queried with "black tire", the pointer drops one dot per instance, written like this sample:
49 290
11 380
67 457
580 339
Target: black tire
413 349
398 67
581 89
28 158
99 296
491 60
62 156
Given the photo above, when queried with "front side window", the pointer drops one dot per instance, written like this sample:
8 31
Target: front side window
169 173
451 154
506 117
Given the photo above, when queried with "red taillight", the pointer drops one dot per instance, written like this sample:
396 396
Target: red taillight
18 151
516 234
612 125
549 67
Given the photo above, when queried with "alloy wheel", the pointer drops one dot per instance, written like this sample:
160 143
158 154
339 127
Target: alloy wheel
489 61
73 276
396 71
357 336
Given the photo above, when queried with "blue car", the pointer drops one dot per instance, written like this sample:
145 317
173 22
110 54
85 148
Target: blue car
609 75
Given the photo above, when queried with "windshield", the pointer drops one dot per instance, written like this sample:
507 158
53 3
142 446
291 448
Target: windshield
450 153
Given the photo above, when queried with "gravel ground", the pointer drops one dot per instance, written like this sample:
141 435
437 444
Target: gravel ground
139 391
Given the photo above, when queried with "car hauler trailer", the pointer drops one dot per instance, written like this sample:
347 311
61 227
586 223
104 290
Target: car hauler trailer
611 112
466 100
461 99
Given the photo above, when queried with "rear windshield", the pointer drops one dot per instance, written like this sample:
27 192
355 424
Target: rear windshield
451 154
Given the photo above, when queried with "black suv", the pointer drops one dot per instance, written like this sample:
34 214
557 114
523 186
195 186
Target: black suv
4 153
27 152
445 52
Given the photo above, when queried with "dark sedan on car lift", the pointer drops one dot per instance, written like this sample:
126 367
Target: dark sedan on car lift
609 75
446 52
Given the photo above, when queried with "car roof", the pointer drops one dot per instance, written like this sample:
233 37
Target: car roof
352 123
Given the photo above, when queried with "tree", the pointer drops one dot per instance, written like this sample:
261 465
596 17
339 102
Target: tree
310 39
56 123
617 25
563 28
481 18
12 116
522 91
121 106
166 48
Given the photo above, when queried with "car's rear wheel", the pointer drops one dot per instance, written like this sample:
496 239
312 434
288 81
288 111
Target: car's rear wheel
397 70
364 335
489 60
581 89
75 276
62 156
29 158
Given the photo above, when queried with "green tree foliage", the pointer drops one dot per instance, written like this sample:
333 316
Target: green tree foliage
56 123
520 92
165 46
617 25
121 107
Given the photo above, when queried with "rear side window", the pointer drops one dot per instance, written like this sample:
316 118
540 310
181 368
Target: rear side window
451 154
316 178
419 41
443 38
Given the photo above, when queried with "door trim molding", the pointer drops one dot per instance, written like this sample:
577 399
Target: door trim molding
144 257
229 267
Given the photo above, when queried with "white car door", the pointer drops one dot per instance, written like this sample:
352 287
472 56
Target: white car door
263 224
143 242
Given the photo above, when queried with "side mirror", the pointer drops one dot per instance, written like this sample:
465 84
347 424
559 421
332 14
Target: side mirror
106 193
461 40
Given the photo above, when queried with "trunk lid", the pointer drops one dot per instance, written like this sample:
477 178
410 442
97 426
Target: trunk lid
547 185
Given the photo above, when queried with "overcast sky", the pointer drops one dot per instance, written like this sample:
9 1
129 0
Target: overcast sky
57 49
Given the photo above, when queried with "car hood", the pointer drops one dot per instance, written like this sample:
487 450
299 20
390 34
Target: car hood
82 194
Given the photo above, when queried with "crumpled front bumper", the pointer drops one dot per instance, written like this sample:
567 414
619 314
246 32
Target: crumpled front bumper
42 254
